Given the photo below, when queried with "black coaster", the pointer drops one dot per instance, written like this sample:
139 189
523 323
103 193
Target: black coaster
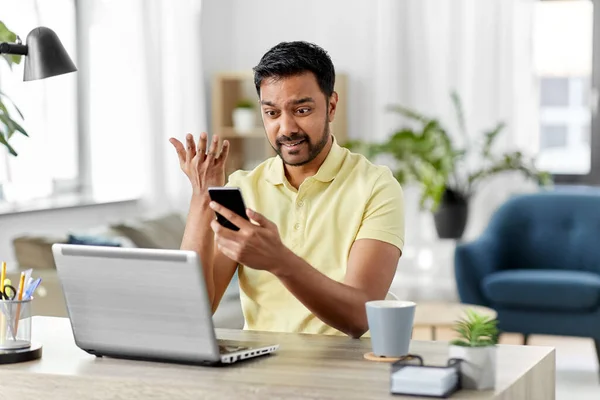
21 355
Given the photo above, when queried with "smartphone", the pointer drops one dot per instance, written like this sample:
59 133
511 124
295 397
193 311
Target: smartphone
231 198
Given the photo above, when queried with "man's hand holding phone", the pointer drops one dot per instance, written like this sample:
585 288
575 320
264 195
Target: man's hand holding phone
203 168
256 244
242 235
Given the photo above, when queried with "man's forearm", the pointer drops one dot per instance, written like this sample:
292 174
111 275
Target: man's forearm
338 305
199 237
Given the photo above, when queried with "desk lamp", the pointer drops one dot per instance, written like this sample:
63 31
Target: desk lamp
44 54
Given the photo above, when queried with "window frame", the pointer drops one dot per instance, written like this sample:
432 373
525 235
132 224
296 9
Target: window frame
592 177
84 175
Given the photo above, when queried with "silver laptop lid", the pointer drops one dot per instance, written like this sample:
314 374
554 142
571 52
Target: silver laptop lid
137 302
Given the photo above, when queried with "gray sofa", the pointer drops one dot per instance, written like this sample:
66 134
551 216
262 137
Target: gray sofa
162 232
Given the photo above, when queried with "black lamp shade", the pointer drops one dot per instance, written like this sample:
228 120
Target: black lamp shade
46 55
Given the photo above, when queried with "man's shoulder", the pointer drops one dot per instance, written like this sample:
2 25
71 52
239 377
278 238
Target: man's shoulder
249 176
361 168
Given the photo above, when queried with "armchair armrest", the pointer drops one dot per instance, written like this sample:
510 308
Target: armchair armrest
472 262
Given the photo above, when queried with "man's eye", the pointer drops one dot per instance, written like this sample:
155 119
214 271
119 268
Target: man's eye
271 113
303 110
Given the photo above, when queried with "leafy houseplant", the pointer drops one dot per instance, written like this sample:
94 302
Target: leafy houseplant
476 346
8 125
245 103
244 116
426 153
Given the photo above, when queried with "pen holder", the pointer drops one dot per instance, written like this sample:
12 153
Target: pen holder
15 324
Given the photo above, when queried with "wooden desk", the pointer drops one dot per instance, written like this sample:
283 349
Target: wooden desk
306 366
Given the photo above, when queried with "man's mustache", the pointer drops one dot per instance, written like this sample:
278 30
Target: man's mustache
294 138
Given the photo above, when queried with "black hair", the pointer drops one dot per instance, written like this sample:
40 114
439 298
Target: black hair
294 58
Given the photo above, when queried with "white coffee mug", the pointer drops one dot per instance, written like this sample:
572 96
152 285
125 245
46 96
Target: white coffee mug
390 325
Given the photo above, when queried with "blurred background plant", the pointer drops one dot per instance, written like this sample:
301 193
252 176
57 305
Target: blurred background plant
8 125
427 155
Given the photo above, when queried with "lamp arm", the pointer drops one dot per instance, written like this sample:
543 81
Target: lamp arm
13 48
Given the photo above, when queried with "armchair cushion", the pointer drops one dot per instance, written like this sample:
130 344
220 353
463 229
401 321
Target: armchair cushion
548 290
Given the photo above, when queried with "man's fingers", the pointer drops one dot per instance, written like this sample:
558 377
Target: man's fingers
224 151
223 232
179 148
224 242
227 251
228 247
230 215
259 218
190 147
214 146
202 144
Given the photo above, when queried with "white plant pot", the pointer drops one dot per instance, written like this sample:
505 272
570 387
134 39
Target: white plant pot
244 120
478 370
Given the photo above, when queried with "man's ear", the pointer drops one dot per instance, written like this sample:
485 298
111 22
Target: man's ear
333 99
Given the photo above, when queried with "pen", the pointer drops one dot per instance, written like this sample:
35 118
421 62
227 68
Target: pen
21 286
31 288
28 282
3 276
19 298
27 278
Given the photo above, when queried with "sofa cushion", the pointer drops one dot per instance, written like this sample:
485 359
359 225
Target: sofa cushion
550 290
35 251
90 240
165 232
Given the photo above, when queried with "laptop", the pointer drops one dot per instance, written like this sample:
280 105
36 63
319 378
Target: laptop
143 304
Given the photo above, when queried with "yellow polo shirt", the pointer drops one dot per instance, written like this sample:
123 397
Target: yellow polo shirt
348 199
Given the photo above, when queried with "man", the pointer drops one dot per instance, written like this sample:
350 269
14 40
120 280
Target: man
327 226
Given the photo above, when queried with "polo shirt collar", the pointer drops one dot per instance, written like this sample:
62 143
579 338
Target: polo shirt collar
326 173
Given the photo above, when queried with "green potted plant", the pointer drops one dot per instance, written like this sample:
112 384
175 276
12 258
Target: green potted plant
476 346
8 125
244 116
448 173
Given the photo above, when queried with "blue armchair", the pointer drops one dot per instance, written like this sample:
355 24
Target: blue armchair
538 265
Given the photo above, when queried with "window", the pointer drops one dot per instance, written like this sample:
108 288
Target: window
47 163
553 136
554 92
563 47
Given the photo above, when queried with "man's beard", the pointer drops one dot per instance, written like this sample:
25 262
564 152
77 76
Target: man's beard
313 149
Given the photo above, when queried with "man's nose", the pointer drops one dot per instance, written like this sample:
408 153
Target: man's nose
287 124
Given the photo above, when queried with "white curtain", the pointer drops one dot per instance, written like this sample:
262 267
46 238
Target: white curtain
146 85
176 87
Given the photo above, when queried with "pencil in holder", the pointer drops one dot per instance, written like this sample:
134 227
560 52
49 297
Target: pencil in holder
15 324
